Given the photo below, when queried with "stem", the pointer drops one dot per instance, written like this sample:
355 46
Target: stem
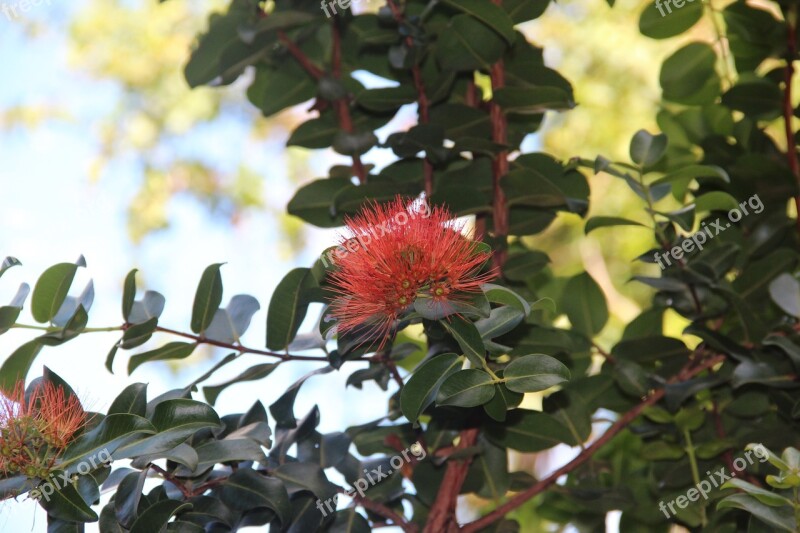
723 43
788 111
522 497
50 329
343 104
442 516
499 165
423 105
242 349
187 493
687 435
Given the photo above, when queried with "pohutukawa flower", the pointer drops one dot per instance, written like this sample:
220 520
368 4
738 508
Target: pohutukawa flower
34 431
398 253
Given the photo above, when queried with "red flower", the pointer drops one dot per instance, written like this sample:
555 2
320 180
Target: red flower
397 253
34 432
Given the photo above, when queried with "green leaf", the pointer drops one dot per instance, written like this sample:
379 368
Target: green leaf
138 334
129 294
766 497
155 517
490 14
305 476
521 266
174 420
8 262
132 400
68 504
288 307
659 21
313 202
51 290
533 373
503 295
532 100
781 518
113 430
585 304
689 77
254 373
170 351
646 149
277 88
246 489
229 450
759 99
604 222
349 521
207 298
785 292
421 389
492 463
691 172
468 338
528 431
283 408
501 321
467 44
16 367
715 201
386 99
466 388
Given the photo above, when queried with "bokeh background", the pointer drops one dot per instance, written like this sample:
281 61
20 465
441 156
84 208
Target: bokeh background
105 152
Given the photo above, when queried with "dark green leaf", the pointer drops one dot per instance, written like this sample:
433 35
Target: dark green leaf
207 298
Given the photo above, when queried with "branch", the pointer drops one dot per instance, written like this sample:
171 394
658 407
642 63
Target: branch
788 111
442 517
239 348
422 98
343 104
500 164
619 425
187 493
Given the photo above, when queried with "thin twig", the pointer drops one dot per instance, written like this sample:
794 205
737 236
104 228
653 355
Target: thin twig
687 373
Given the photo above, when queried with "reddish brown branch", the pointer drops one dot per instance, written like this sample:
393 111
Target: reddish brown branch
343 104
422 98
500 165
300 56
788 109
187 493
585 455
442 517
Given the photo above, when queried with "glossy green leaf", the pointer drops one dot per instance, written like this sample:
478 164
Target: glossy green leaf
605 222
155 517
288 307
466 388
168 352
585 304
207 298
468 338
533 373
421 389
51 290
